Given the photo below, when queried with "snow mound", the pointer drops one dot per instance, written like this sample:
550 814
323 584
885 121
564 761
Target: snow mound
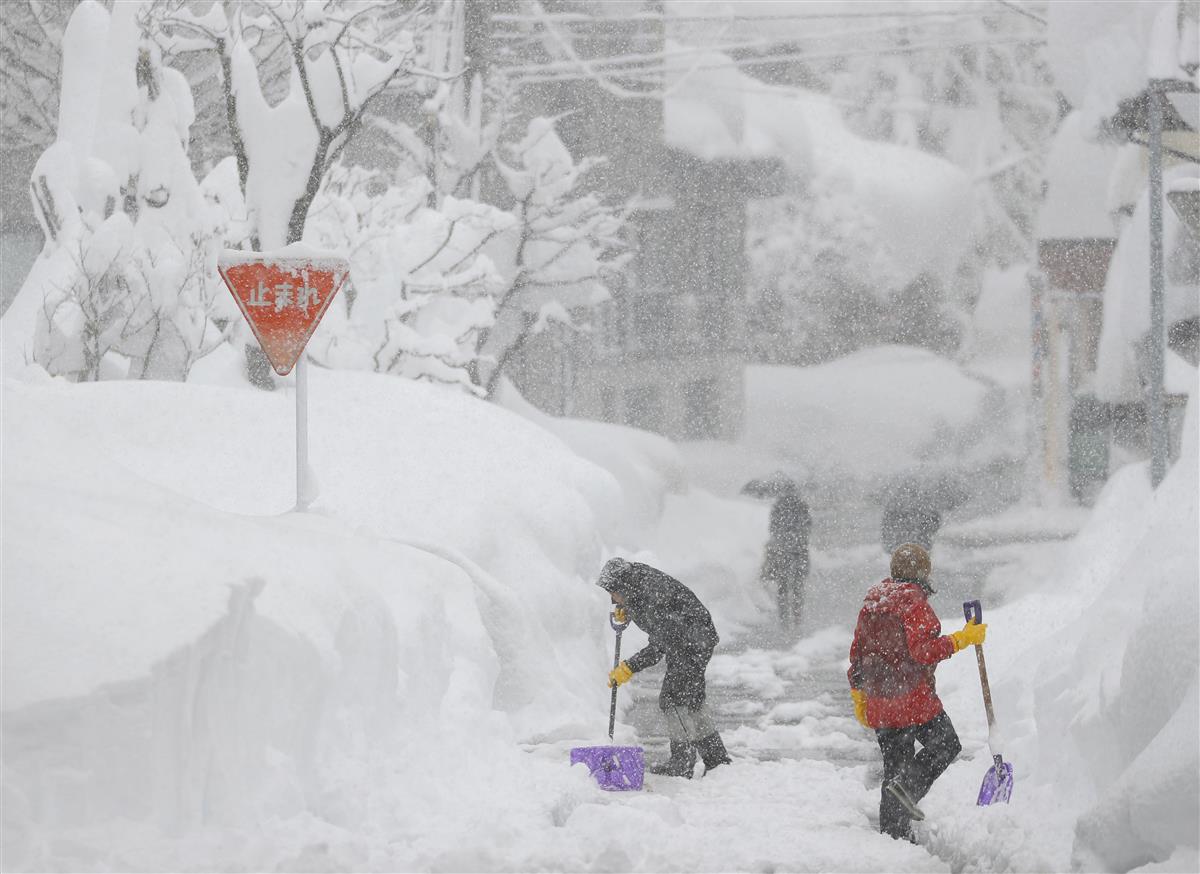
180 654
1094 675
869 414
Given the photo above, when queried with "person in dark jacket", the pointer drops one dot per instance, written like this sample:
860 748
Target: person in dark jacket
898 643
908 521
785 564
681 630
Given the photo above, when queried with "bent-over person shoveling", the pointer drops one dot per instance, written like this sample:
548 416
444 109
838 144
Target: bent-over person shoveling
681 630
898 643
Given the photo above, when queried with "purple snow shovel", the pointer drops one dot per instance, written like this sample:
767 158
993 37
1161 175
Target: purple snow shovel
617 769
998 781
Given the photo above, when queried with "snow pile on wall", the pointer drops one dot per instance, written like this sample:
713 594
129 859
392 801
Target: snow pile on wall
1077 174
920 204
716 112
869 414
1127 291
1103 53
179 656
1001 330
646 467
1128 698
1094 668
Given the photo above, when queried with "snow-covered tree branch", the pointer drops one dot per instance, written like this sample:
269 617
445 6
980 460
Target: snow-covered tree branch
132 235
341 55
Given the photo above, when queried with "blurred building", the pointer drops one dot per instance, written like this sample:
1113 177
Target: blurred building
20 236
668 352
1094 345
1076 235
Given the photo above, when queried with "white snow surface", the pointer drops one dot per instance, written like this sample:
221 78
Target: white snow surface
1077 176
195 677
1127 294
868 414
1094 676
1103 53
919 203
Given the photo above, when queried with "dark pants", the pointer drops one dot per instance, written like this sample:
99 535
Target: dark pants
785 570
939 747
683 685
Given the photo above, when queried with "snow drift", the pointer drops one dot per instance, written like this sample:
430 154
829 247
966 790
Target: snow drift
181 655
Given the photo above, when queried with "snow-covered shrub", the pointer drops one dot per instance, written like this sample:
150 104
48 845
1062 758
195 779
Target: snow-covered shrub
340 56
562 252
123 213
421 289
446 287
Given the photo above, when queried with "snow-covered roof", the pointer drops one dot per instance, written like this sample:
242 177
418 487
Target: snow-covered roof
1077 180
1127 295
920 203
1103 53
715 111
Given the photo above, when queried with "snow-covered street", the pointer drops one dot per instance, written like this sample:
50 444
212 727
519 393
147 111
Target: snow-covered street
402 399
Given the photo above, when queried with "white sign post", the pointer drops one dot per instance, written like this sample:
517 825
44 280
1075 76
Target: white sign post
283 296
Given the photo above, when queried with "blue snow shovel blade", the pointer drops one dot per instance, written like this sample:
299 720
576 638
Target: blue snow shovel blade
997 784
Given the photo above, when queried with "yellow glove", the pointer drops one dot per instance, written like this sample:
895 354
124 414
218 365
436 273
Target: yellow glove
972 634
860 706
620 615
620 674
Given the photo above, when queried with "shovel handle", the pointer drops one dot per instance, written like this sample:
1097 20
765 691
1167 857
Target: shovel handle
973 611
612 707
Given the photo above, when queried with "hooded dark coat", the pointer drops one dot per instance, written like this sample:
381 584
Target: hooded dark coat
678 626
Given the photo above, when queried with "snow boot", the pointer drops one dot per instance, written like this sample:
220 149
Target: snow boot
897 790
712 751
681 763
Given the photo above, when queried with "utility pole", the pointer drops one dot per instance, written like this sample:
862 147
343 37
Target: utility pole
1158 417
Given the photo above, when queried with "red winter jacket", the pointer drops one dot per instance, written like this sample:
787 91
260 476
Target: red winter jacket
897 644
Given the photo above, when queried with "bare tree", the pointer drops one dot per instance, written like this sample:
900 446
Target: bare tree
567 247
357 48
31 34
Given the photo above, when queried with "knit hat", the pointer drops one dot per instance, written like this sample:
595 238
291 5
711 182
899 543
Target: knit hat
612 575
910 563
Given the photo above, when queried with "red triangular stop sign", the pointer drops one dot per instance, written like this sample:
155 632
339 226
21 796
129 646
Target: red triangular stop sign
282 297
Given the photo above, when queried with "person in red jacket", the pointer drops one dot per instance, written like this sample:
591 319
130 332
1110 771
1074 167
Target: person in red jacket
898 642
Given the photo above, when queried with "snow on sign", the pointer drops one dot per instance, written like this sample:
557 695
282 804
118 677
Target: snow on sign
283 296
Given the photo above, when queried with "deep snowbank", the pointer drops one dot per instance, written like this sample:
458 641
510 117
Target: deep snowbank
646 466
1094 674
179 654
873 413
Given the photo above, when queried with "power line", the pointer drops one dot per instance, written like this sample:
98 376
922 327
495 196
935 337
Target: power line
1021 10
587 20
641 74
635 58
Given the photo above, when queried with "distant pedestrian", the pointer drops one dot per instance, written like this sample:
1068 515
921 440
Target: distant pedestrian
785 563
908 520
680 629
898 643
